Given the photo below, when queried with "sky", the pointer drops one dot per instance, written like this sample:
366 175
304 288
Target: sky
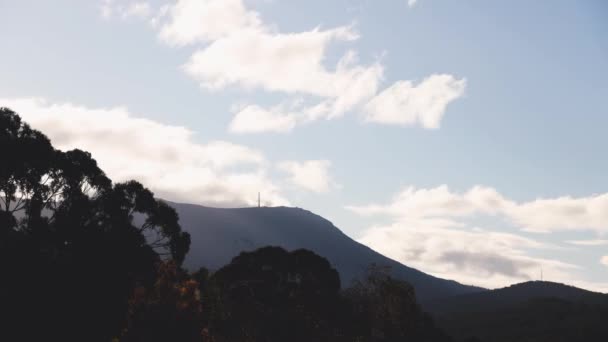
465 138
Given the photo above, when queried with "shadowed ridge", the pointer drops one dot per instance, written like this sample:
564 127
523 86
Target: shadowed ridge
219 234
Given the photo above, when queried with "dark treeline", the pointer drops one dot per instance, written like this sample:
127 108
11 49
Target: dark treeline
86 259
540 319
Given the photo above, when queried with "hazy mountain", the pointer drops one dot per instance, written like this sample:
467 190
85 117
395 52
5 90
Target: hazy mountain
220 234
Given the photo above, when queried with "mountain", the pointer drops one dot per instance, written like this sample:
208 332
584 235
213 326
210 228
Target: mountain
532 311
220 234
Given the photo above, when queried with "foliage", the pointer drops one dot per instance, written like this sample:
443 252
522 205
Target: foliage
169 311
70 242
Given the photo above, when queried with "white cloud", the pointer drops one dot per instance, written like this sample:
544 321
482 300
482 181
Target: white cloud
563 213
595 242
192 21
604 260
289 63
244 52
235 48
255 119
405 104
312 175
411 3
432 230
540 215
165 158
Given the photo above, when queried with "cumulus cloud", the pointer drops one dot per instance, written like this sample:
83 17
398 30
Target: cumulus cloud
243 51
432 229
289 63
273 61
405 104
192 21
312 175
235 48
165 158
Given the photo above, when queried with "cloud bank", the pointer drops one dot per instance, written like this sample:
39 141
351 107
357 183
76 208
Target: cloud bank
434 230
542 215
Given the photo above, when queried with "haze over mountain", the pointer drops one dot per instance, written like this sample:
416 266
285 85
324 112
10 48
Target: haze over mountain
220 234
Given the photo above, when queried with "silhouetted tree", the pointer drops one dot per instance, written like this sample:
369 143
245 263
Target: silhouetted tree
73 245
273 295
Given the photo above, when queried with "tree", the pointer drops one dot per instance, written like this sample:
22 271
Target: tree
385 309
74 246
274 295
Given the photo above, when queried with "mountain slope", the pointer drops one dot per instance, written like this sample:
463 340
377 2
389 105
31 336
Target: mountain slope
220 234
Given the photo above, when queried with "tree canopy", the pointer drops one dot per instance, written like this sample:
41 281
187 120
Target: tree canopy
74 244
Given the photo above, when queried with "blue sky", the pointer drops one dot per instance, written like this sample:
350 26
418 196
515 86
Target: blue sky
464 138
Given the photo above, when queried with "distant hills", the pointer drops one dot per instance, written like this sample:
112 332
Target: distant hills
514 295
219 234
531 311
